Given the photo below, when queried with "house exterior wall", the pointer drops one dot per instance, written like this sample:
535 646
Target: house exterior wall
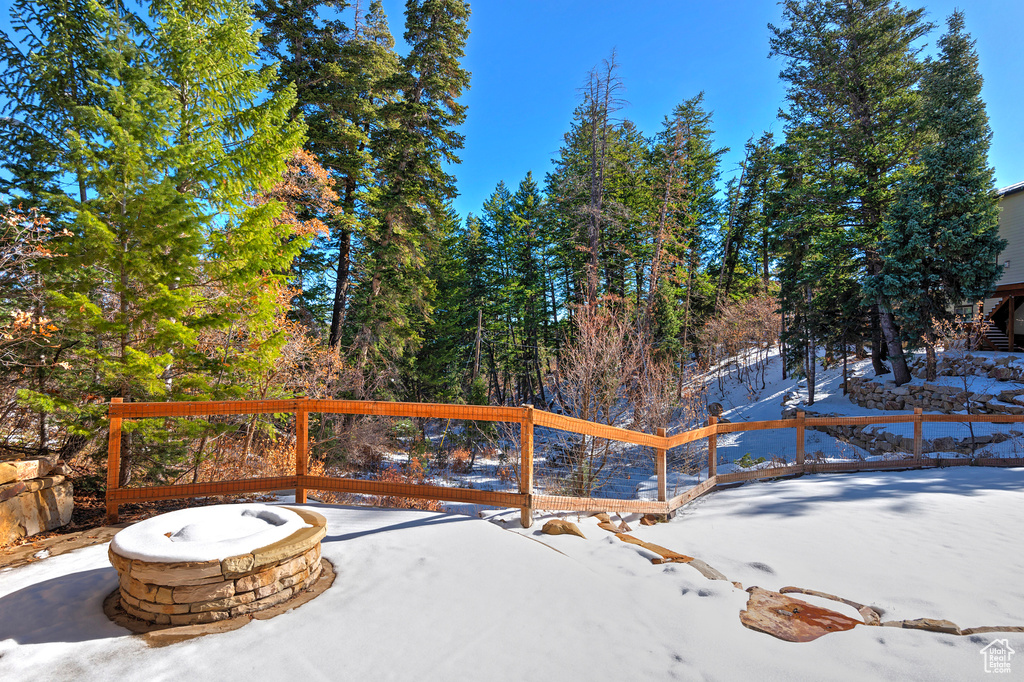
1011 228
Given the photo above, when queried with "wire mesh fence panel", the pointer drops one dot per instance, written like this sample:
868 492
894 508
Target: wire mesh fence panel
846 442
756 449
175 450
445 453
467 456
686 466
408 463
954 440
573 465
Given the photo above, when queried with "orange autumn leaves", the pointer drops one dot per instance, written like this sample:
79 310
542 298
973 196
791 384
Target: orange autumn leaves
307 191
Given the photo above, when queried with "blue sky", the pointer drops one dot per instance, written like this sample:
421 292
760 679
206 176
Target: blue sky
528 59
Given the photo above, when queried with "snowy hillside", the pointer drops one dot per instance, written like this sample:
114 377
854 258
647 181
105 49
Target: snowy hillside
747 401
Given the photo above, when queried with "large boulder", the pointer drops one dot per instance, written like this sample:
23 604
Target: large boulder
34 506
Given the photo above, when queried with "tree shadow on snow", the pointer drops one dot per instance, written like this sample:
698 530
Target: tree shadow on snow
371 528
899 487
68 608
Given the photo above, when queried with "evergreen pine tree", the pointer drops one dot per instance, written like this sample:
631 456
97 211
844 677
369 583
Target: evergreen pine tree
167 245
941 242
799 225
475 252
580 192
529 297
412 186
819 267
744 246
686 171
343 76
47 59
851 67
438 372
627 207
500 319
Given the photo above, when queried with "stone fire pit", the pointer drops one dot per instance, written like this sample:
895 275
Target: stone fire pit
214 563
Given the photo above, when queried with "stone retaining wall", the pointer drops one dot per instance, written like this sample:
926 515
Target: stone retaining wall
185 593
34 497
948 399
877 441
1001 368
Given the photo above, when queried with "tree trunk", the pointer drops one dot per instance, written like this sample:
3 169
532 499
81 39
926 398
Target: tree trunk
929 354
845 373
811 355
686 306
812 361
199 457
602 88
479 331
554 310
540 377
782 346
876 343
41 387
730 253
340 287
125 468
498 392
892 339
764 258
652 286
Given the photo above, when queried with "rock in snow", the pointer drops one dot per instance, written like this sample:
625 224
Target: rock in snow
562 527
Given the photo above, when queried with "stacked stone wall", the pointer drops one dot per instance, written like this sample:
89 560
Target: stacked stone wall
933 398
34 497
877 441
1000 368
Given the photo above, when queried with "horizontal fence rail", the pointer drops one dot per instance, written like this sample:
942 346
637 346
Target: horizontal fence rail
528 419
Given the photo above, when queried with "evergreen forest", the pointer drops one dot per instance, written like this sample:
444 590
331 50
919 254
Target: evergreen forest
221 200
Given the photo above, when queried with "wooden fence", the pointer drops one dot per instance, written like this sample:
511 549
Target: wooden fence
528 418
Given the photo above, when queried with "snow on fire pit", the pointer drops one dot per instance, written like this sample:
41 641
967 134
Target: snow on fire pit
214 563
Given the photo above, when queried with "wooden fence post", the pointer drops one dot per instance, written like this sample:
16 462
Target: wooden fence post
301 447
1010 340
800 437
526 466
113 462
662 465
917 433
712 449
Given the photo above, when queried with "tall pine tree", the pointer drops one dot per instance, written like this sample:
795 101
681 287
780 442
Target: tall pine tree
941 241
685 165
167 245
850 68
412 185
343 75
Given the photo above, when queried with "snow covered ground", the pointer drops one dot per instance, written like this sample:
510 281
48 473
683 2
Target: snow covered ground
433 596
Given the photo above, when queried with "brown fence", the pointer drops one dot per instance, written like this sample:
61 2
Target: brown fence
528 497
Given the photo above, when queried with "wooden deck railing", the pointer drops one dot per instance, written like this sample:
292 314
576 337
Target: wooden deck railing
528 418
